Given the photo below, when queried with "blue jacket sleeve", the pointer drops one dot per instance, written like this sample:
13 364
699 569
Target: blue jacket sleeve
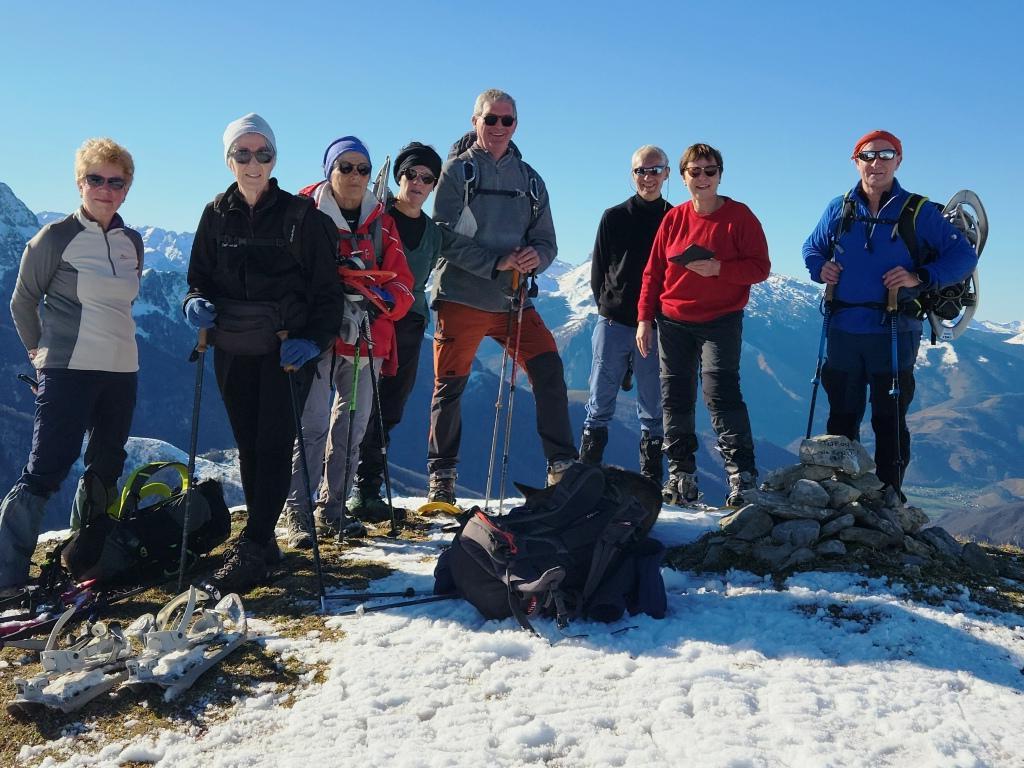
817 247
955 256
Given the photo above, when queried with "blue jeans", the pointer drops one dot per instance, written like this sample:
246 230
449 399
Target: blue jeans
614 348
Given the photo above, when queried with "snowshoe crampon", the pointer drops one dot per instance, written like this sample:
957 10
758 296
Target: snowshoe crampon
439 508
955 305
92 664
184 640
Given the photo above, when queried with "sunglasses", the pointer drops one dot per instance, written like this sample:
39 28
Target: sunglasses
412 175
244 156
94 180
650 170
707 170
867 155
345 168
506 120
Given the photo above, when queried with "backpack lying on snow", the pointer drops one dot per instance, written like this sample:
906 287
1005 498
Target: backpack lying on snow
139 538
578 549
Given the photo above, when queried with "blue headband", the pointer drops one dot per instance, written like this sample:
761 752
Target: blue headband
340 147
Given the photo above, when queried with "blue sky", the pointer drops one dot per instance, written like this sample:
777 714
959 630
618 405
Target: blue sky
782 88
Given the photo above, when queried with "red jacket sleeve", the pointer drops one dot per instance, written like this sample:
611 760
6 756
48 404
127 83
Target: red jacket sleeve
400 286
752 265
654 273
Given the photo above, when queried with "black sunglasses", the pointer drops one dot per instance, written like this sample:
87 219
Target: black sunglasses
94 180
649 170
244 156
412 175
506 120
345 167
707 170
867 155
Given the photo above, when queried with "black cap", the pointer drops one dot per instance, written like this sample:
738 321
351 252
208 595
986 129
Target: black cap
415 153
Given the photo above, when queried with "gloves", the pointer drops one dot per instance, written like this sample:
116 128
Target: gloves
383 297
200 312
295 353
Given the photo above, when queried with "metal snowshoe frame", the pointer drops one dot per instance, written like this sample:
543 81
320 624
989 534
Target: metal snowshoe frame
965 212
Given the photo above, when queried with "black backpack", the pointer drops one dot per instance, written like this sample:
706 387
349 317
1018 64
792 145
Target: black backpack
136 542
579 549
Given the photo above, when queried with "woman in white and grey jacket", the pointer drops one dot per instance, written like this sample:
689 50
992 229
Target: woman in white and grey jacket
72 307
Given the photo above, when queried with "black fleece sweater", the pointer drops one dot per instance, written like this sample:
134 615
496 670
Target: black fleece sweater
621 250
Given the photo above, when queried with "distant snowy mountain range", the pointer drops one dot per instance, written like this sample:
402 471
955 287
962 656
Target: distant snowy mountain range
966 419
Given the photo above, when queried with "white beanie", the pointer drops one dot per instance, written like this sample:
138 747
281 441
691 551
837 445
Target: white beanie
251 123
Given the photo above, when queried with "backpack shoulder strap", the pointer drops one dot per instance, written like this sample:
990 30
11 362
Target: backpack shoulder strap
906 224
376 229
298 207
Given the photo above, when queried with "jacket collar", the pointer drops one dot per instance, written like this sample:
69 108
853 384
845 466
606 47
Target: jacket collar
115 223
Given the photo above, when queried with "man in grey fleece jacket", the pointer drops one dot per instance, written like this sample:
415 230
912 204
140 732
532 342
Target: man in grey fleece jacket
497 207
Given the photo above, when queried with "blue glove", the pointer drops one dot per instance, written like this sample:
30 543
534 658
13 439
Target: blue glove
295 353
200 312
385 298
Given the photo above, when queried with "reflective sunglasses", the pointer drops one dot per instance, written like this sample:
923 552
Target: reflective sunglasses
94 180
649 170
707 170
506 120
244 156
412 175
867 155
345 167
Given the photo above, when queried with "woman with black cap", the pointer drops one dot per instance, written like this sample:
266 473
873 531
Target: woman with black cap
416 170
262 279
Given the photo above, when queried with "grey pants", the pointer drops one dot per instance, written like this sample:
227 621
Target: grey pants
325 432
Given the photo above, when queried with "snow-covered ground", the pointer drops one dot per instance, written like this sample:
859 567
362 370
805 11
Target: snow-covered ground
833 670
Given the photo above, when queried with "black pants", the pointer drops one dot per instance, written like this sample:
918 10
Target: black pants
861 363
394 392
711 349
257 397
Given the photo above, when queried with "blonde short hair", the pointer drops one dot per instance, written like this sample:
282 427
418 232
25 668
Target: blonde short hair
95 152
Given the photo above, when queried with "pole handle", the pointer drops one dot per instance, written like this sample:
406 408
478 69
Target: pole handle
892 301
201 342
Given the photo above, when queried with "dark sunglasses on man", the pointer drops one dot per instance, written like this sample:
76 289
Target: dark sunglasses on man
695 172
412 175
244 156
649 170
868 155
345 168
506 120
94 180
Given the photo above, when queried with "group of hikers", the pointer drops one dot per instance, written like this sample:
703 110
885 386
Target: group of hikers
325 290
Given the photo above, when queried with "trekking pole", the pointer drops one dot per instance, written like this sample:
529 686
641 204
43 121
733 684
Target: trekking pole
499 403
401 604
304 469
375 384
816 381
521 298
198 357
348 440
892 306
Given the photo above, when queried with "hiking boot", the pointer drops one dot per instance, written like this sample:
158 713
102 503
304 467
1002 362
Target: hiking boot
333 522
299 528
367 504
738 483
650 457
244 567
442 486
272 553
680 489
557 468
592 445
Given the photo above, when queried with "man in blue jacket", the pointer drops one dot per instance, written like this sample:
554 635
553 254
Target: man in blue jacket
861 254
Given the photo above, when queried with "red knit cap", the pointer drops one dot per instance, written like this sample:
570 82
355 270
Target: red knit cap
869 137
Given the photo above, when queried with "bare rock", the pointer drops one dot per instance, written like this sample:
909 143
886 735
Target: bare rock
782 479
866 537
911 519
802 512
830 548
919 548
715 559
832 527
800 555
942 540
868 484
737 546
840 494
978 559
808 492
772 555
831 451
865 459
912 564
747 523
799 533
879 521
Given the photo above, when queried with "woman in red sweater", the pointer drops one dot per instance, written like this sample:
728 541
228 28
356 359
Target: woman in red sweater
706 255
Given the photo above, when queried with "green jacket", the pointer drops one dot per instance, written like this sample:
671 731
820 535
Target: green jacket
421 262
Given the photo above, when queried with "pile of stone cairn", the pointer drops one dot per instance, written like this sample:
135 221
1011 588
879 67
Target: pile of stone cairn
830 505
